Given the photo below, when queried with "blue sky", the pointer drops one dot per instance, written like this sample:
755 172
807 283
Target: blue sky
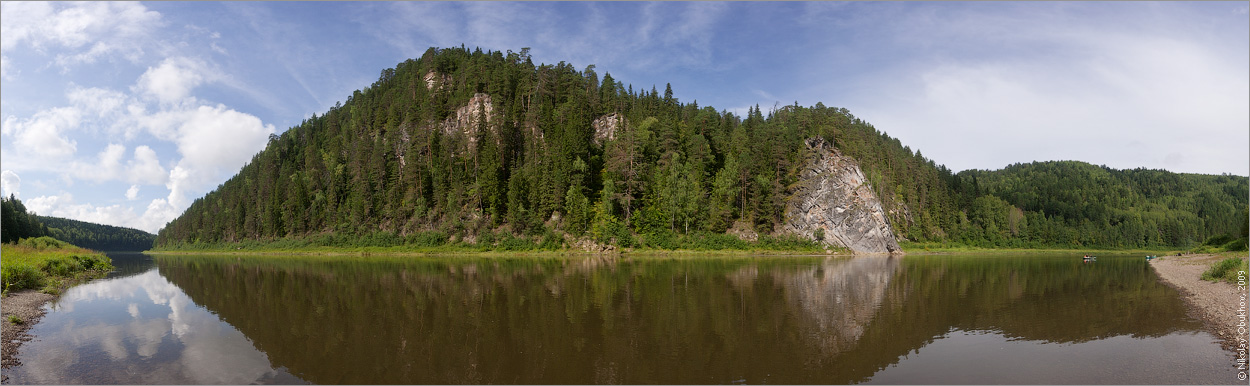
124 113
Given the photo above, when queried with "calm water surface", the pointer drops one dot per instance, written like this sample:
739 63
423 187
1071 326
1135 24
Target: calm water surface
1048 319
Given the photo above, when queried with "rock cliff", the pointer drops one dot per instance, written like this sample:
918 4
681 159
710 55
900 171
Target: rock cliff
606 127
834 200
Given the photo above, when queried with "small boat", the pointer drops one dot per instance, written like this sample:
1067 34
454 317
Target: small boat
1151 257
1090 258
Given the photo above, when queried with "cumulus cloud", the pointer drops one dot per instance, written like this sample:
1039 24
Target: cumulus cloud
10 183
142 168
173 79
145 167
42 136
132 193
214 142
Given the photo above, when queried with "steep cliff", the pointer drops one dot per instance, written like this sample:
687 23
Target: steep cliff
834 201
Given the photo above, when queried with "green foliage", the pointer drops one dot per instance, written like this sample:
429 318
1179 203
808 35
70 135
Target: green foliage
1227 270
461 143
1075 204
47 263
44 242
17 223
98 237
18 276
15 319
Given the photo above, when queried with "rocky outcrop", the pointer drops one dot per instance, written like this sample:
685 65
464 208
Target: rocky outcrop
834 199
606 127
466 118
435 80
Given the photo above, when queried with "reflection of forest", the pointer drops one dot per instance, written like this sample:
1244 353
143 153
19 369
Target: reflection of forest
129 263
653 320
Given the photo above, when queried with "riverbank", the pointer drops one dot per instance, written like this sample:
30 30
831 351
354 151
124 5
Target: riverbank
26 306
1217 304
34 272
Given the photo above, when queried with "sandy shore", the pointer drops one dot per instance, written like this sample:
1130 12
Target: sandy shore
27 305
1221 306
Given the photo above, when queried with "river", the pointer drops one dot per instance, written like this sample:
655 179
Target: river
936 319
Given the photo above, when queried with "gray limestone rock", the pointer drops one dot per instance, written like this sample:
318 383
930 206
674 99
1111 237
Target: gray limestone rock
834 196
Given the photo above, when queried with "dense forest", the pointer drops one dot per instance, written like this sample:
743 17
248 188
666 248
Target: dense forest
16 223
96 236
19 224
482 146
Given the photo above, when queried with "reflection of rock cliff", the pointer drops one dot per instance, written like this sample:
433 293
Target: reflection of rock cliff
833 197
839 298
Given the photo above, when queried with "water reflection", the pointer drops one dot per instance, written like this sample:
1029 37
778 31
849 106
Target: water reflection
138 329
379 320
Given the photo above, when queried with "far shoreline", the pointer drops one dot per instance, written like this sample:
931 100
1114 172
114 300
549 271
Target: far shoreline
570 252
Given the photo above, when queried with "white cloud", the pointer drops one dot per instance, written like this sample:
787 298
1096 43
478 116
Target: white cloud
145 167
84 31
172 81
4 68
97 102
41 136
984 87
132 193
10 183
142 168
214 143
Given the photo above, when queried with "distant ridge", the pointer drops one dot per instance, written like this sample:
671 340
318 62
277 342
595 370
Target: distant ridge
96 236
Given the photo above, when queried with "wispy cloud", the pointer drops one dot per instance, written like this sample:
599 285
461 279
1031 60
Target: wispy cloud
82 32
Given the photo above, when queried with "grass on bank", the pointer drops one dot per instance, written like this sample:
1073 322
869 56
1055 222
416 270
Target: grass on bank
1228 269
953 247
48 264
435 242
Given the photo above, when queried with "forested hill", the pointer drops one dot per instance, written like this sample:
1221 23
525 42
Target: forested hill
1075 203
471 145
96 236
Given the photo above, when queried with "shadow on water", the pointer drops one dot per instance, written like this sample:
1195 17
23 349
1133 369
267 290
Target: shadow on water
671 320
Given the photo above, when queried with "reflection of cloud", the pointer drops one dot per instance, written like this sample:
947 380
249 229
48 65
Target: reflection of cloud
130 341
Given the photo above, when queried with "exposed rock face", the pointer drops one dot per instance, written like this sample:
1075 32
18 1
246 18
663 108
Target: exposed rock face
606 127
434 79
467 117
833 196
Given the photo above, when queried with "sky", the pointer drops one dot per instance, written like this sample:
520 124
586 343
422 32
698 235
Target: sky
125 113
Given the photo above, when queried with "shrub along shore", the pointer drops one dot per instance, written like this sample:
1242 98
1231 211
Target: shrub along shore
35 271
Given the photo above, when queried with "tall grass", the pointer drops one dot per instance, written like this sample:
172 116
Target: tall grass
47 263
1226 270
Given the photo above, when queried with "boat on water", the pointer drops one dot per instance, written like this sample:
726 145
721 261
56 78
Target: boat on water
1090 258
1151 257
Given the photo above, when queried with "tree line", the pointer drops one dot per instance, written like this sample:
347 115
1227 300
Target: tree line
16 223
97 236
465 143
